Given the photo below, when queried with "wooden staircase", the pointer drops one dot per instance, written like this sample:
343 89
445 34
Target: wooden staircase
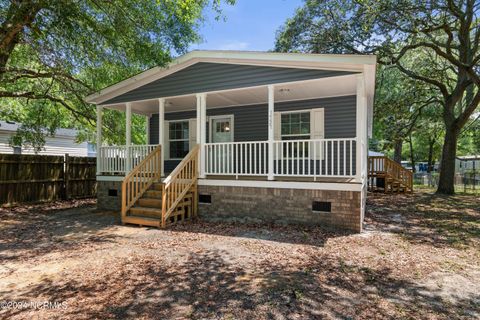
148 201
388 176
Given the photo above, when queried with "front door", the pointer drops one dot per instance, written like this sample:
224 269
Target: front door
221 128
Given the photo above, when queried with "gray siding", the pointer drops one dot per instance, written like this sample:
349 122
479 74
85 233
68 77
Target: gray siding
205 76
250 122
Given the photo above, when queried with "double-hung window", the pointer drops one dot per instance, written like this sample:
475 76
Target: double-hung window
179 139
295 126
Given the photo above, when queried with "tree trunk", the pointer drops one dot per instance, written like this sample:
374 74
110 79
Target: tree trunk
447 164
431 144
412 158
397 151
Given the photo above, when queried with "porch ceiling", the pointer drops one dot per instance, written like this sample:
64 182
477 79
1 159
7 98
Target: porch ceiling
325 87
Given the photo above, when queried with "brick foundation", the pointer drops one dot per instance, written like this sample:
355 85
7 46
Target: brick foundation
106 201
283 206
267 205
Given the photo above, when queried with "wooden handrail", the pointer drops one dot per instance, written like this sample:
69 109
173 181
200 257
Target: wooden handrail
140 179
390 168
179 182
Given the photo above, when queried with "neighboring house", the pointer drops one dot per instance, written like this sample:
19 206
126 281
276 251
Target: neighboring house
91 149
467 163
406 164
63 142
372 153
282 137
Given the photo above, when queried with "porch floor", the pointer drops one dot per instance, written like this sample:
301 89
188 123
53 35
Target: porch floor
262 178
277 178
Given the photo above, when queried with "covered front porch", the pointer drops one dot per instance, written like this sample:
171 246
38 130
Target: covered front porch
298 141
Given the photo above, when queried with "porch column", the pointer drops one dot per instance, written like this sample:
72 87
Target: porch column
199 118
360 158
203 131
128 113
161 128
271 98
199 128
99 137
128 138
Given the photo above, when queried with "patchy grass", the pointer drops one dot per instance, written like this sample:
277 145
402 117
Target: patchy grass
418 259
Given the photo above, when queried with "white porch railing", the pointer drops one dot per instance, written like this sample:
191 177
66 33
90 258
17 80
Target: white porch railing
292 158
315 158
121 159
237 158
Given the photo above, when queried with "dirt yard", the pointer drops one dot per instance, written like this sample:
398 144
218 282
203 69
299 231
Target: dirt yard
419 258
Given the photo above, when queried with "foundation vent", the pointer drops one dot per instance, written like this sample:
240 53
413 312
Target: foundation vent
323 206
204 198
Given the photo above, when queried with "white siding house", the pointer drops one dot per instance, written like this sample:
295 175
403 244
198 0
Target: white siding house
467 163
63 142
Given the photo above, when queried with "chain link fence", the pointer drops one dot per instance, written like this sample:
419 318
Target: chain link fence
467 181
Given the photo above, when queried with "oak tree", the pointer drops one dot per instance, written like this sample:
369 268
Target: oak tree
446 32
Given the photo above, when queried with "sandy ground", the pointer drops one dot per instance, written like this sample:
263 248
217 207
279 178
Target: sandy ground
419 258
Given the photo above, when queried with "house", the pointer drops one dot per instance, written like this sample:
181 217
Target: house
275 137
63 142
372 153
467 163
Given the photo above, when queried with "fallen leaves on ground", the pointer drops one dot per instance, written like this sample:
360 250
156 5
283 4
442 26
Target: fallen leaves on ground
418 258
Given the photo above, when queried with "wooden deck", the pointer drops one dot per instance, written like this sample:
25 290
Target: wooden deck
386 175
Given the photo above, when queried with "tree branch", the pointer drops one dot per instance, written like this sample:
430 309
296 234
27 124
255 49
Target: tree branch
19 73
47 96
465 115
443 89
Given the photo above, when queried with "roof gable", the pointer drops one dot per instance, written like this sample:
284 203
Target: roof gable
208 76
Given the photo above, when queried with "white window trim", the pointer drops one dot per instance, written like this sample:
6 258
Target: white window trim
170 139
222 116
307 136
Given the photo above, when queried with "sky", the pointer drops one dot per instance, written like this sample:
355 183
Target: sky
249 25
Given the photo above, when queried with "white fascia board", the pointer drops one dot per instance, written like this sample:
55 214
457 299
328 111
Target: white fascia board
283 184
285 57
297 60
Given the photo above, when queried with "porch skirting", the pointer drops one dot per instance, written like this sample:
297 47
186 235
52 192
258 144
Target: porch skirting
283 206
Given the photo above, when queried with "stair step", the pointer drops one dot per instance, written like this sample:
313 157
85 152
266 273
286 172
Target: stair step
143 221
149 202
157 186
146 212
153 194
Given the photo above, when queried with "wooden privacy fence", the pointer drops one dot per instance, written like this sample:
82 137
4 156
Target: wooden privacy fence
35 178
